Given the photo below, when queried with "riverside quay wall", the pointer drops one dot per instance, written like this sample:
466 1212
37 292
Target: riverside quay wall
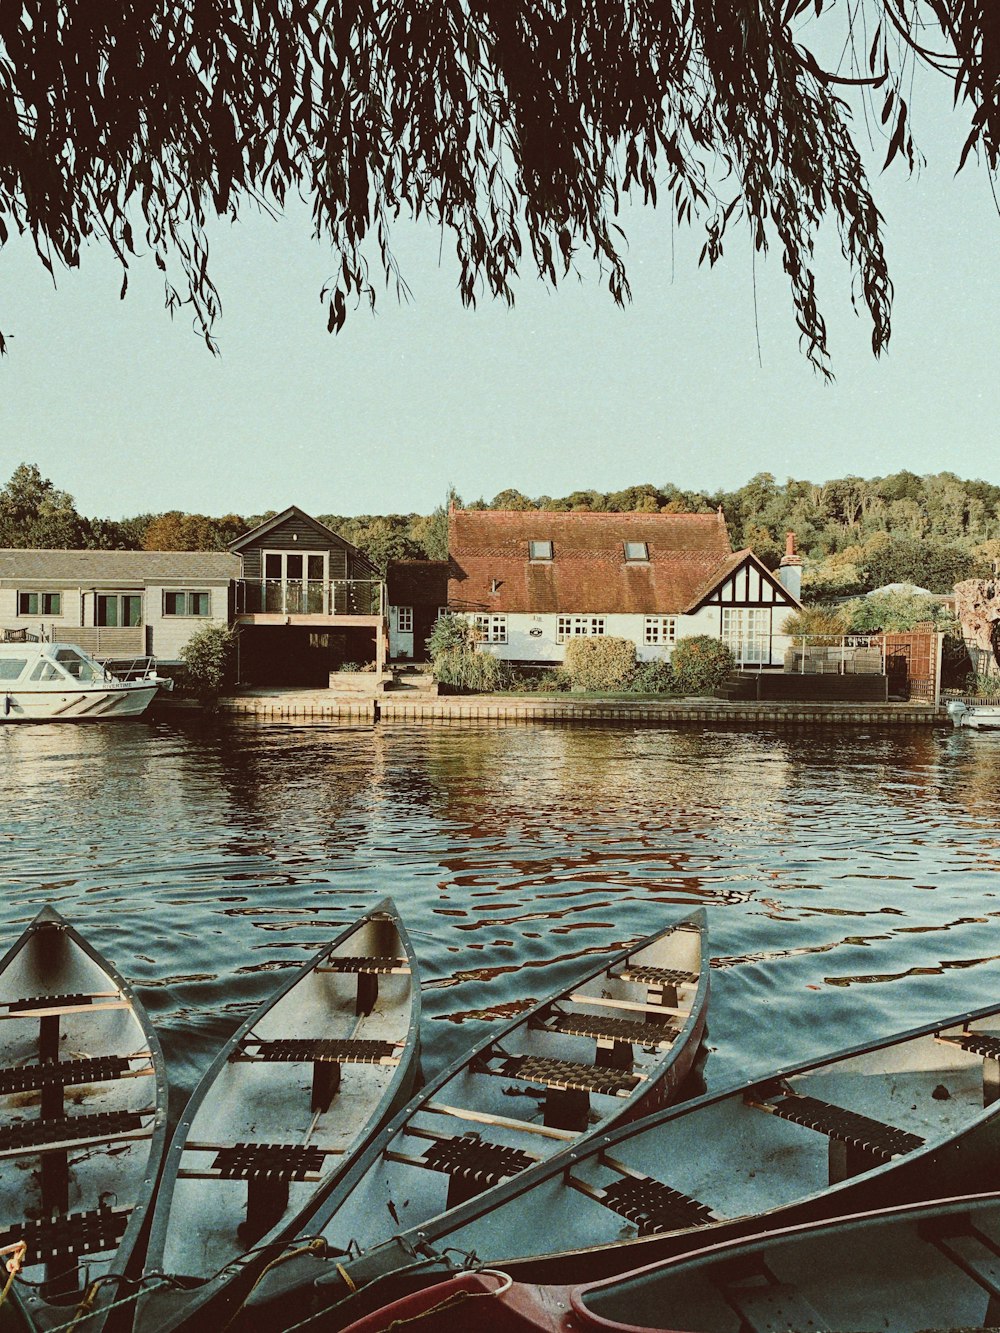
320 705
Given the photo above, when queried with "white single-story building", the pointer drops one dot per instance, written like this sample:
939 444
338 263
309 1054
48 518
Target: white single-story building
116 604
532 580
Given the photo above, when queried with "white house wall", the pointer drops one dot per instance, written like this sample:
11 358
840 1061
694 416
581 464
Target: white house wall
533 638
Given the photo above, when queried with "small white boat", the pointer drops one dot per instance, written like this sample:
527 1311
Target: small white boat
974 712
58 682
83 1115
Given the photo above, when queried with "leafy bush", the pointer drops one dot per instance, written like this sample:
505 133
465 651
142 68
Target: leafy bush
450 632
653 678
209 656
600 663
893 611
470 672
818 619
700 663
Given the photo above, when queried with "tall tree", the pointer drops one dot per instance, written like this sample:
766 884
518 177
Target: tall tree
513 125
34 513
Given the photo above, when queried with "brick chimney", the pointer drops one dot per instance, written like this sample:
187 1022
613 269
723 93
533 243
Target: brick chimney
790 569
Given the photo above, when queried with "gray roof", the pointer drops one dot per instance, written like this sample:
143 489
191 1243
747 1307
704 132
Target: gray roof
85 568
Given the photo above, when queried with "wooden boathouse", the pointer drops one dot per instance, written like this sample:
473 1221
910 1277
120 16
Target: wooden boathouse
306 602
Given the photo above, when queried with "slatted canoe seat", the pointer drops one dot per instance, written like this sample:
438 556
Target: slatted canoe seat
773 1306
368 970
568 1085
335 1050
68 1073
473 1163
604 1029
986 1045
649 1204
326 1054
50 1241
857 1142
72 1131
658 976
267 1168
661 982
568 1075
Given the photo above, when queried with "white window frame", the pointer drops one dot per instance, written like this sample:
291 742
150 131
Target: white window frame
404 619
579 627
42 598
747 631
660 631
491 627
187 613
540 550
631 558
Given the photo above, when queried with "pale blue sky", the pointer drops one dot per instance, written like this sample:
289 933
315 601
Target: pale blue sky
129 412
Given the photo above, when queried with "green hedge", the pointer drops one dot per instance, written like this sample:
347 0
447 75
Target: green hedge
601 663
700 664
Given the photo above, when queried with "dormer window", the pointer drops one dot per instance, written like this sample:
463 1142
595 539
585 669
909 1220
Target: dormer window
539 550
636 551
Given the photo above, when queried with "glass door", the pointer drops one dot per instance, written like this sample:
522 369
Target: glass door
295 582
748 634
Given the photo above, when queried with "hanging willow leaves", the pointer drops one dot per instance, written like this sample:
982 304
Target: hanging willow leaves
515 126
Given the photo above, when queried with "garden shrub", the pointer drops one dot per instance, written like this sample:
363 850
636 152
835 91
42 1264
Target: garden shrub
894 612
700 663
600 663
471 672
653 678
448 633
209 656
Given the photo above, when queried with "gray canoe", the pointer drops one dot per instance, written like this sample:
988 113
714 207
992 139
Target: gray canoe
82 1120
279 1116
610 1047
935 1266
897 1120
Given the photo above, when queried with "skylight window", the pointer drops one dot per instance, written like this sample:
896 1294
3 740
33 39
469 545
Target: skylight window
539 550
636 551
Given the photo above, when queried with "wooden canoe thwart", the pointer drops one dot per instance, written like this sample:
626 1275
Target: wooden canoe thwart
564 1071
82 1120
293 1096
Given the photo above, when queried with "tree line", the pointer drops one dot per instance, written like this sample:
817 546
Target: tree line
853 533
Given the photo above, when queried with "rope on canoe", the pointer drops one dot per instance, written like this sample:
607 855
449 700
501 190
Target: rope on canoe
84 1310
456 1298
17 1251
315 1246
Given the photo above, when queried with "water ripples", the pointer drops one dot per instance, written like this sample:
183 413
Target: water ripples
850 878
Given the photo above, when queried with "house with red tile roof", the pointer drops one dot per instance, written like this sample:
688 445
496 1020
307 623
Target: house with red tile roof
532 580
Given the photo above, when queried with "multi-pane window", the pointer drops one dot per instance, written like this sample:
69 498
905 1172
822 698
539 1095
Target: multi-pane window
748 634
574 627
491 628
186 603
404 619
539 550
39 603
121 610
636 551
660 630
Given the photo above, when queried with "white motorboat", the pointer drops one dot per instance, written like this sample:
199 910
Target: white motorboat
58 682
975 712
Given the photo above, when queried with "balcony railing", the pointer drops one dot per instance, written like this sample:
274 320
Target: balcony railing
313 597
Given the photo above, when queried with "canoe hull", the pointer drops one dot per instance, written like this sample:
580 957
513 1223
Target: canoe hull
294 1095
83 1117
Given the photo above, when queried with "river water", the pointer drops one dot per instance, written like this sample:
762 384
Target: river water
850 877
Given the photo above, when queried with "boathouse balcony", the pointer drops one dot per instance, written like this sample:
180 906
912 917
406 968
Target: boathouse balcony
275 601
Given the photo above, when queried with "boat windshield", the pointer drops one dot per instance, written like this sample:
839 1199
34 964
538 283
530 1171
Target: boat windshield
78 666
